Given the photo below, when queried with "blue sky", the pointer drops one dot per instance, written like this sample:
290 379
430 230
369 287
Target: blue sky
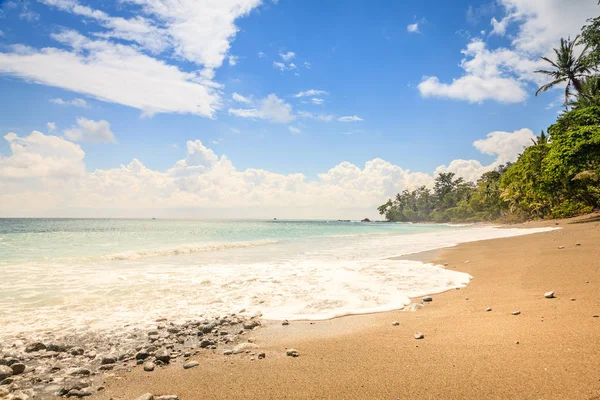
411 83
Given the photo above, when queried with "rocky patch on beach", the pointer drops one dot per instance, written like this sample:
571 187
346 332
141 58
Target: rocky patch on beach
75 366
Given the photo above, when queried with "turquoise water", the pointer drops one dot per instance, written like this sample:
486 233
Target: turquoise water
71 276
23 240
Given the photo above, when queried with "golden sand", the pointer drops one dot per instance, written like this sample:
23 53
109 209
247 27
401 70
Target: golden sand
550 351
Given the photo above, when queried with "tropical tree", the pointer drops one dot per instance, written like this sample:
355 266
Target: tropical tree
567 68
541 139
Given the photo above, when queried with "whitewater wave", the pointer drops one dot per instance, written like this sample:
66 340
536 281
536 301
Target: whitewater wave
185 249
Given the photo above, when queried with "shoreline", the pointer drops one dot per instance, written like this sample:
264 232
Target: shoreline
467 352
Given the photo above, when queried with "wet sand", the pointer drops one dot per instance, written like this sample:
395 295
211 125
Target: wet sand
550 351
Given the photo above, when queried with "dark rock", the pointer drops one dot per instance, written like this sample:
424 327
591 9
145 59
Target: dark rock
166 397
142 355
85 392
251 324
206 343
77 351
366 220
285 322
261 356
427 299
110 359
18 368
37 346
163 356
59 348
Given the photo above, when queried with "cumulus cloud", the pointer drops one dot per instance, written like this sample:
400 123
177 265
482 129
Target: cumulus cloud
75 102
317 101
114 73
51 126
294 130
270 108
233 60
413 28
45 176
317 117
290 55
118 64
350 118
91 131
503 74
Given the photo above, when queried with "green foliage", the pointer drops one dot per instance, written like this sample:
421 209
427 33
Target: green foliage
558 176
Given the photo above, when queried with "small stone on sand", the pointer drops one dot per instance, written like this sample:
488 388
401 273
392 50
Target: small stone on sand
146 396
261 356
191 364
488 309
516 312
427 299
595 316
292 353
285 322
149 366
419 335
572 299
561 247
549 295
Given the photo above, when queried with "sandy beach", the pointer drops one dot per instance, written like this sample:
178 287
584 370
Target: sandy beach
549 351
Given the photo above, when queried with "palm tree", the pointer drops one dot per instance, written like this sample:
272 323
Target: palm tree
567 68
541 139
590 94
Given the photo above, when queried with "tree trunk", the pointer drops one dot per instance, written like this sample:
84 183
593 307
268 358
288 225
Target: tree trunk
577 85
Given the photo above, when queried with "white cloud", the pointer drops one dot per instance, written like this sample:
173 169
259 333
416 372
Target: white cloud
294 130
115 66
91 131
311 92
114 73
75 102
1 33
307 65
233 60
45 176
413 28
503 74
261 54
505 145
51 126
351 118
317 101
271 108
290 55
279 65
235 130
241 99
318 117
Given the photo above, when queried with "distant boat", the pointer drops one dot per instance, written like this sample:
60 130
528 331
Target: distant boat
274 219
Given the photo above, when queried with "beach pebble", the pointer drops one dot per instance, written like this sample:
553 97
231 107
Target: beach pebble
261 356
488 309
561 247
572 299
4 392
146 396
110 359
242 347
516 312
285 322
85 392
78 371
395 323
292 353
5 372
251 324
163 356
517 342
577 244
166 397
595 316
190 364
549 295
419 335
142 355
149 366
77 351
59 348
227 352
427 299
37 346
18 368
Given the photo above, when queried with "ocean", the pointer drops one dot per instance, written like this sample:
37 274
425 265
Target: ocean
72 276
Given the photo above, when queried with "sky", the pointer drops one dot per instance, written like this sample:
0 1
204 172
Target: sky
262 109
